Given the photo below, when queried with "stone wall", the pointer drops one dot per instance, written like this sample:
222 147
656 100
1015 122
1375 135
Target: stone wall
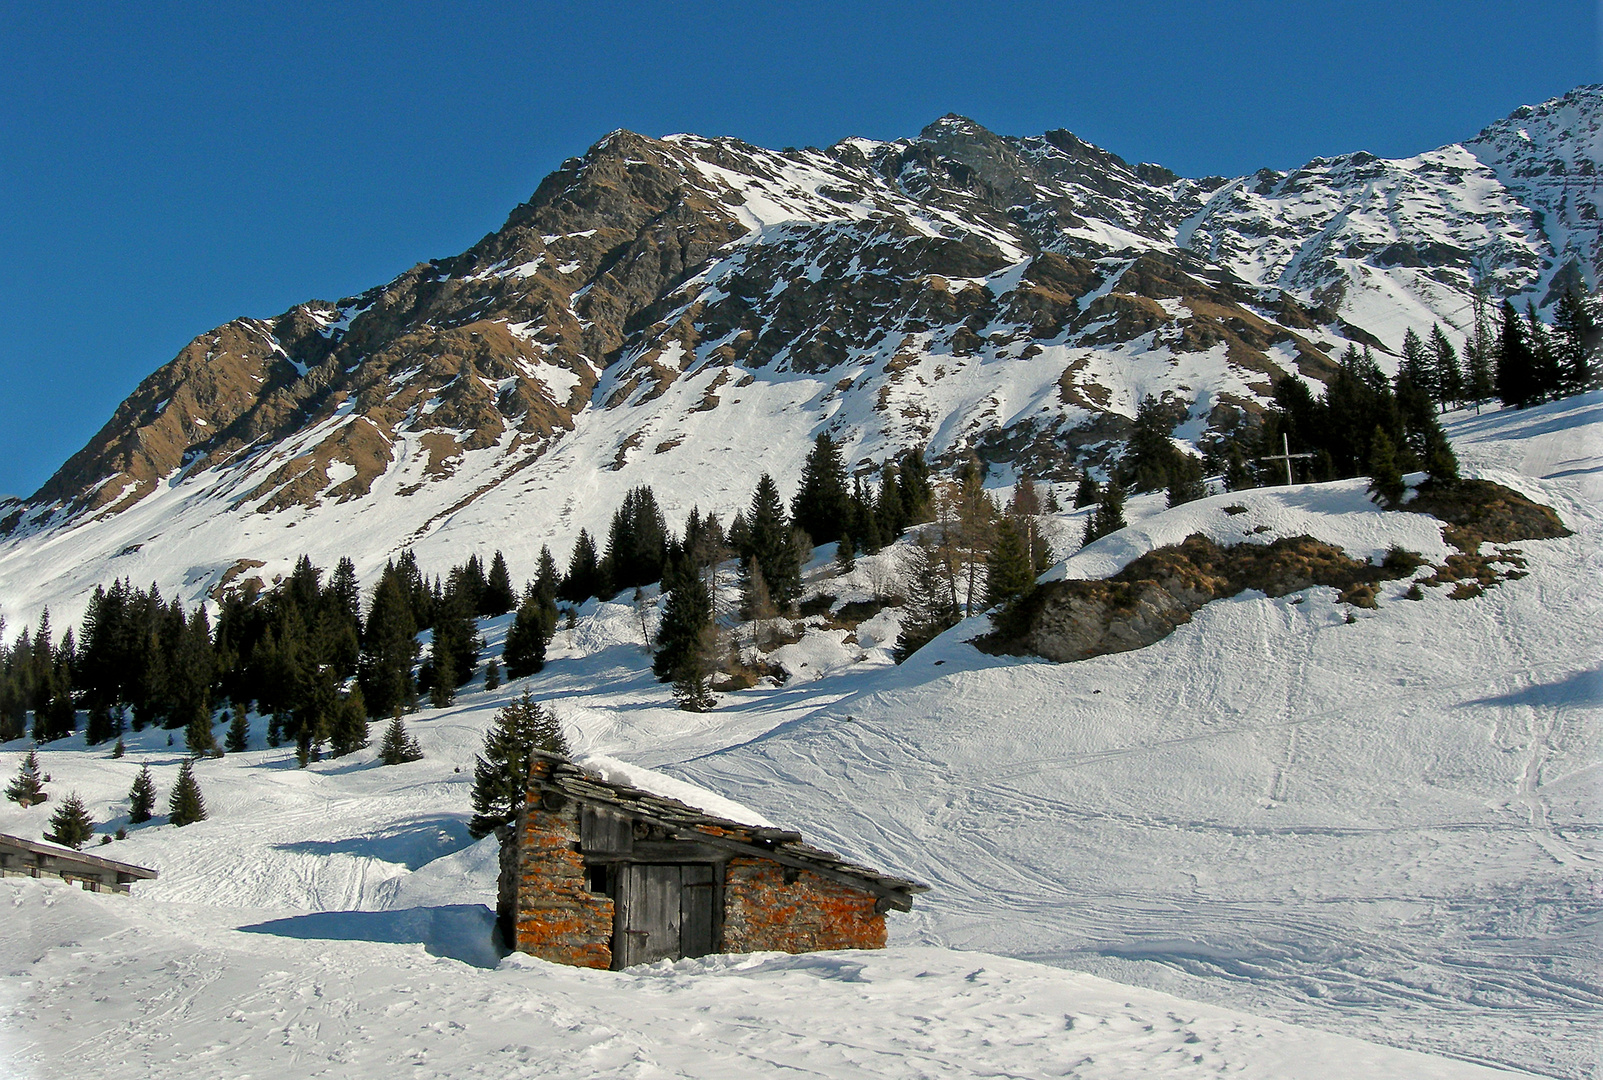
764 911
546 907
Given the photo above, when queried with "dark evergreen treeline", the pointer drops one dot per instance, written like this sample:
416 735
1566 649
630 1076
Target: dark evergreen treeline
299 653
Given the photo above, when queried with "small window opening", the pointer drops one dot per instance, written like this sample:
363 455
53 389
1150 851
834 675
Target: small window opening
596 879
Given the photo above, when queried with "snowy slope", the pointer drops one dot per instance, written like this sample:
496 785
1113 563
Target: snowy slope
1382 830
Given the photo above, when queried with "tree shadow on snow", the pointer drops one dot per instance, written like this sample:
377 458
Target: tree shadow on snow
465 932
415 844
1580 690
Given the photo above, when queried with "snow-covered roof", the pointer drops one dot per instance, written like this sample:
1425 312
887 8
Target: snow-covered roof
553 773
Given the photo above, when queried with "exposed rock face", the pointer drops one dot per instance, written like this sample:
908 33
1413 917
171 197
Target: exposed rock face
964 290
1142 604
1147 600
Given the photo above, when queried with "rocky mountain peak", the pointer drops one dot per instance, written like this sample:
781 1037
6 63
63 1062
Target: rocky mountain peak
658 307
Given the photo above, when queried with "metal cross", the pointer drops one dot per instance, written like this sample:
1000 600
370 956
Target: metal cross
1286 455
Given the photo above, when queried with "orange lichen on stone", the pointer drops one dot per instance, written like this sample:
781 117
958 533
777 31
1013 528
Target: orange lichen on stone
770 907
554 914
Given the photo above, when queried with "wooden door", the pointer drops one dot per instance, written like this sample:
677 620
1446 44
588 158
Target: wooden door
663 912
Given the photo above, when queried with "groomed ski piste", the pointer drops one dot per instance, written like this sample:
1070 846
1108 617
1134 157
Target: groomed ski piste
1277 843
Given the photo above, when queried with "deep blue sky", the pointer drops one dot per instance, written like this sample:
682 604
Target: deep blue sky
164 168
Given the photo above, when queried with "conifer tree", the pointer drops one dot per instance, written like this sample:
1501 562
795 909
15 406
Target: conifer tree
527 637
442 679
1008 570
845 555
141 797
931 599
389 648
1449 376
1440 461
347 732
498 595
888 512
455 636
1417 366
398 747
1150 456
1516 364
822 505
27 788
118 750
770 544
1185 480
1109 516
1544 354
913 484
185 806
546 579
501 770
583 579
1088 493
1386 479
1479 381
71 826
198 738
681 639
237 739
1579 338
637 543
492 674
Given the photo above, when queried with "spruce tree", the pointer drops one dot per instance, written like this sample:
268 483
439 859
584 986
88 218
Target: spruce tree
1544 354
1185 480
771 545
822 507
1088 493
498 595
141 797
1578 342
1417 365
71 826
389 648
1150 456
931 599
913 484
442 679
1386 479
1109 516
397 746
1440 461
1516 364
1449 376
527 637
845 556
583 579
185 806
347 731
27 788
1008 570
501 771
492 674
546 578
687 616
237 739
198 738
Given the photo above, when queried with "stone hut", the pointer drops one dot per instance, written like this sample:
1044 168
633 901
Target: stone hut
601 874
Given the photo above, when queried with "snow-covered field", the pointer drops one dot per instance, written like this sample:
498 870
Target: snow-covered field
1308 831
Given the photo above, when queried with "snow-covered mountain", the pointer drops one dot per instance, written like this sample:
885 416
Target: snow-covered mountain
1288 826
688 312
